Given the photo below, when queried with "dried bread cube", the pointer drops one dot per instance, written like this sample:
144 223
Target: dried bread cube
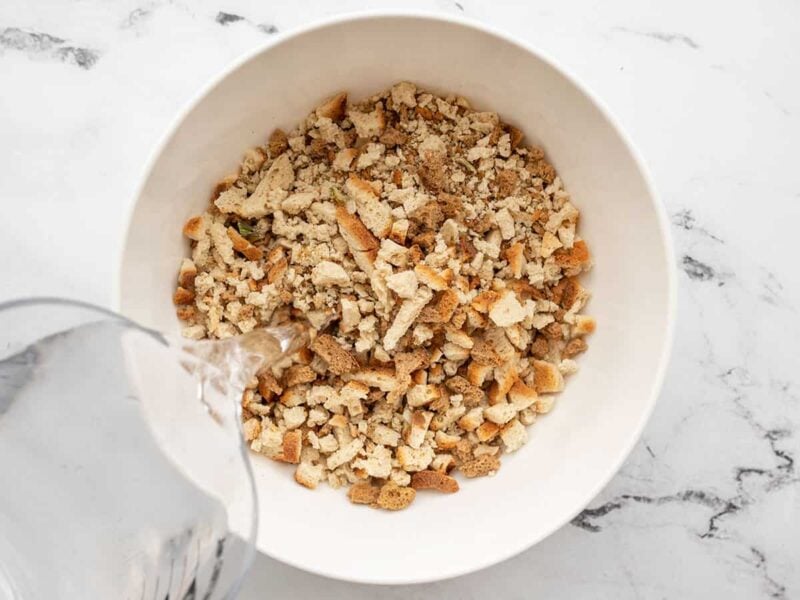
583 325
344 454
514 435
251 429
407 314
404 284
506 310
363 493
500 413
480 467
339 360
472 420
308 475
375 214
487 431
333 108
291 447
376 377
368 125
382 434
437 281
522 396
394 497
377 463
546 377
327 273
434 480
414 459
445 441
544 403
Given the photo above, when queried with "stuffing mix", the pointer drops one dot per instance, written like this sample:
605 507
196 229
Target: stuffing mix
436 258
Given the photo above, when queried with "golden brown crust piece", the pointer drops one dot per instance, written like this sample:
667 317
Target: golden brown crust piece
515 134
268 386
194 228
473 395
307 475
182 296
514 255
394 497
484 301
584 325
487 431
187 273
333 108
507 181
339 360
574 347
243 246
223 185
432 172
363 493
434 480
278 143
477 373
354 232
478 467
186 313
574 257
442 310
297 374
277 271
484 353
546 377
430 277
291 447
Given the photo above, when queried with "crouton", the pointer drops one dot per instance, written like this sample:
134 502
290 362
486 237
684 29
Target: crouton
339 360
434 480
363 493
481 466
394 497
513 435
407 314
375 214
334 107
546 377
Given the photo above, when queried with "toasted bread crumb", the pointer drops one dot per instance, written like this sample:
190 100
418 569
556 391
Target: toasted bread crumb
434 480
394 497
291 447
308 475
339 360
480 467
363 493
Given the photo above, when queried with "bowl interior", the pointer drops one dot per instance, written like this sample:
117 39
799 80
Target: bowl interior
574 450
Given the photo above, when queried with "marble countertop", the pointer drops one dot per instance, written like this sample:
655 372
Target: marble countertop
708 504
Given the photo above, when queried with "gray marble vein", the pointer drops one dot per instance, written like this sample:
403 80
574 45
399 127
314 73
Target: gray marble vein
686 221
225 19
47 46
662 36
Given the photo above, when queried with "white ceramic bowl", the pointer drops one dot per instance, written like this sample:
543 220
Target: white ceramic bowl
576 449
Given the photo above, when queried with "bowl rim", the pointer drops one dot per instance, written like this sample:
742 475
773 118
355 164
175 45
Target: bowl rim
661 215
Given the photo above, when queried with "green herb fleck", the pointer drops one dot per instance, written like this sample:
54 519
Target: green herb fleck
337 195
245 230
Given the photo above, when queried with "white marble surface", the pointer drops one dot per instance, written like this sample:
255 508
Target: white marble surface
708 504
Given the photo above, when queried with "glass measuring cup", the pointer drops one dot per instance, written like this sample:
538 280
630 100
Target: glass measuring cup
122 468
